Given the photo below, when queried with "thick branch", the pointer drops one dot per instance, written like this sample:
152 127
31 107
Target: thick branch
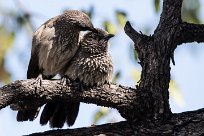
154 56
138 38
25 91
111 129
171 13
172 8
191 33
187 123
131 32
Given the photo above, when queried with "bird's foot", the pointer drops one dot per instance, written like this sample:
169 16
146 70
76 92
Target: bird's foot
74 85
22 105
65 80
78 86
38 81
108 83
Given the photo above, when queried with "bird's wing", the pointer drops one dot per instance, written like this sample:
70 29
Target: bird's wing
33 67
42 37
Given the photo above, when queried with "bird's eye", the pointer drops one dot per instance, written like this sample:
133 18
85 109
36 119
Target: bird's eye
90 36
97 38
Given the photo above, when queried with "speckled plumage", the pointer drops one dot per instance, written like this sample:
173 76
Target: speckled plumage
54 44
92 64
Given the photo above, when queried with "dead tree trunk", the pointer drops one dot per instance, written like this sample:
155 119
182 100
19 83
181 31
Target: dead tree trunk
146 108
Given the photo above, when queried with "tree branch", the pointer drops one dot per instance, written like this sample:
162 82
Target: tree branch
191 33
131 32
172 8
171 13
138 38
186 123
110 129
25 91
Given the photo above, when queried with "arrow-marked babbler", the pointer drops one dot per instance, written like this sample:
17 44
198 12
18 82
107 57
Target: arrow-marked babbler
54 44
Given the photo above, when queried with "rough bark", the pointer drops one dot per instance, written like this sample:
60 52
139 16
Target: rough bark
26 91
145 108
183 124
191 33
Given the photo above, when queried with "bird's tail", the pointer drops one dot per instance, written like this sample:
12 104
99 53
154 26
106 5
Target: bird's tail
57 112
73 110
48 112
25 115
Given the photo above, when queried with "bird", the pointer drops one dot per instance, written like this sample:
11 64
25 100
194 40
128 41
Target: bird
54 43
92 65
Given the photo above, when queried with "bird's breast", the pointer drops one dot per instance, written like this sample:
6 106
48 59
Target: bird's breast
91 70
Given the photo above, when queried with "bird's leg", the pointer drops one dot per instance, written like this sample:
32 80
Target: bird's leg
78 85
23 104
109 84
39 81
75 85
65 80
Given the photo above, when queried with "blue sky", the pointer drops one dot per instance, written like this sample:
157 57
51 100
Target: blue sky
188 71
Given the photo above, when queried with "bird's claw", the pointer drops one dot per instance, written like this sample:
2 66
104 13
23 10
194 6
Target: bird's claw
65 80
78 86
74 85
38 81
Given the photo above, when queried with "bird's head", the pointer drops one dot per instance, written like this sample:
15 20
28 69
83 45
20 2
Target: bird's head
79 20
96 42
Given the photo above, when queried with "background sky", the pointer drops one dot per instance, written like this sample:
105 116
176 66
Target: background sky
188 72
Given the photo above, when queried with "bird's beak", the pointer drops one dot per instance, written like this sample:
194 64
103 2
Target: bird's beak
107 37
